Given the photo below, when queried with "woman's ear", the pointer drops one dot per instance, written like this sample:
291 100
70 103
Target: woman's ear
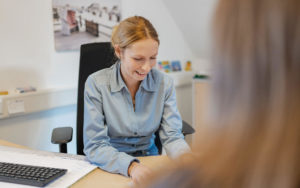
117 51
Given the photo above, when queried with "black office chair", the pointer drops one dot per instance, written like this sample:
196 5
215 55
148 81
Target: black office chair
93 57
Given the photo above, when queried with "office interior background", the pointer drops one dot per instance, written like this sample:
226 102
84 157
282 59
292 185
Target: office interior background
28 57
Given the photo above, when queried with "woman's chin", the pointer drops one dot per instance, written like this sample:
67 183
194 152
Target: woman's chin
140 78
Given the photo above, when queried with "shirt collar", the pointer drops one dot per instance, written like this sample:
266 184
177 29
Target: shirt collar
117 83
149 82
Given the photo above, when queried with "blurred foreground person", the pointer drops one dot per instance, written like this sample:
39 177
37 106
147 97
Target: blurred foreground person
251 134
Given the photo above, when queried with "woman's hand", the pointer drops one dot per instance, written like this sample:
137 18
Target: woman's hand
138 172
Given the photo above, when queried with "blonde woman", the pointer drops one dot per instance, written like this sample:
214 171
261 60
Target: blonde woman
251 135
126 103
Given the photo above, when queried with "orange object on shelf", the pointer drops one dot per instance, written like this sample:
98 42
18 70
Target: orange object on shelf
3 92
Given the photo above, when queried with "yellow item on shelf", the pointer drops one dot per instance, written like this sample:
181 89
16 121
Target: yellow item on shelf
3 92
188 66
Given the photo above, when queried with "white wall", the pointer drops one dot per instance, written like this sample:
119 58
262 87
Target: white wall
194 20
28 57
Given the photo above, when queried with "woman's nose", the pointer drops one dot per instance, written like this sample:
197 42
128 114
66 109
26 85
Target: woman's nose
147 66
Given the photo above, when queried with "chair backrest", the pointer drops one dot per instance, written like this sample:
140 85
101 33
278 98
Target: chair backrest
93 57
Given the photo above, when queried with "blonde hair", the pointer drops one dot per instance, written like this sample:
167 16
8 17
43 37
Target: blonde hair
251 135
253 128
131 30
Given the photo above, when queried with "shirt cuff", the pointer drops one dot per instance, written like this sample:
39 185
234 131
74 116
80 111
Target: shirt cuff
134 160
127 160
177 148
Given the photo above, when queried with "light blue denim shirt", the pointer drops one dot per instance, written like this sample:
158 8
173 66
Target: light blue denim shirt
113 128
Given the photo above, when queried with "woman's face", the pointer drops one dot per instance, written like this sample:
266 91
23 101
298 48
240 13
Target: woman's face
138 59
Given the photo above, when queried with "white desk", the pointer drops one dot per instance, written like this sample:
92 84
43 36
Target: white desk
100 178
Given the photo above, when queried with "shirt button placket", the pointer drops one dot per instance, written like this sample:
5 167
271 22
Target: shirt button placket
132 115
137 97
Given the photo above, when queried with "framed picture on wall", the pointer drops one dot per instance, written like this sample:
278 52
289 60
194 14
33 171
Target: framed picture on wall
77 22
176 66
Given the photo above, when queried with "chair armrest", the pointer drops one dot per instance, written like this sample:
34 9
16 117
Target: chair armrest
62 135
187 128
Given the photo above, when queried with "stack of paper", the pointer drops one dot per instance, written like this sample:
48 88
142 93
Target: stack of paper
77 165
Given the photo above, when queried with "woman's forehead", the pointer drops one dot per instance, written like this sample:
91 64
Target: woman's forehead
143 47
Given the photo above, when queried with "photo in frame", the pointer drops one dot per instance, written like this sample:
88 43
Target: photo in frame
176 66
77 22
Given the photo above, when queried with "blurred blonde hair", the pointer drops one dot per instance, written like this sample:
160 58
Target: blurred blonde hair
251 134
131 30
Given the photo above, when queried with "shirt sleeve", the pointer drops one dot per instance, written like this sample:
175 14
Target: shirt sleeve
171 125
97 145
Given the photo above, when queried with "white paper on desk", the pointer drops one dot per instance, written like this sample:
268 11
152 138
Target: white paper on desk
77 165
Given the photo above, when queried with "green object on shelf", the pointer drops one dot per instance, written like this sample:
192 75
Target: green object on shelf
201 76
